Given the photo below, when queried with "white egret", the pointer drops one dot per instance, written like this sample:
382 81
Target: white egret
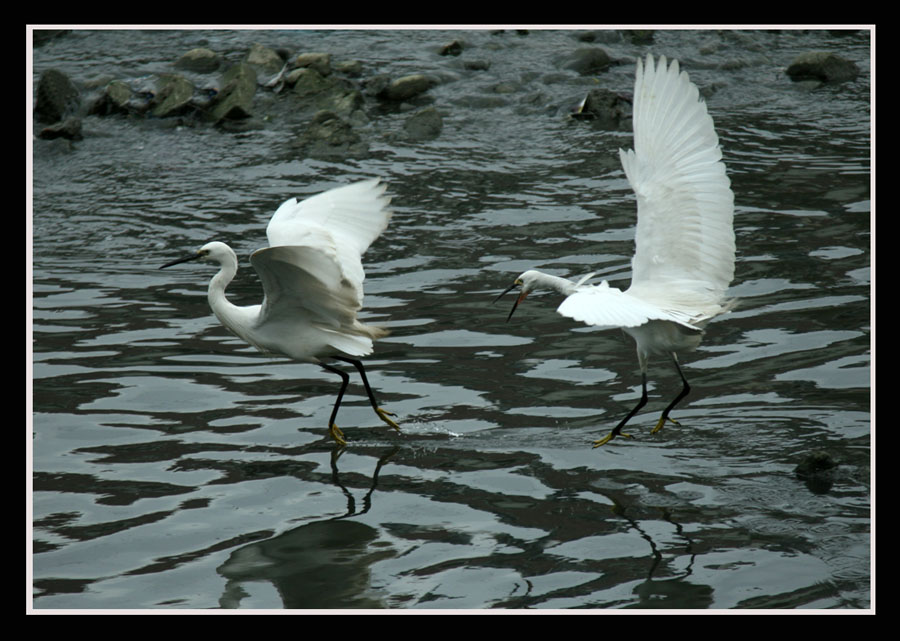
312 278
684 239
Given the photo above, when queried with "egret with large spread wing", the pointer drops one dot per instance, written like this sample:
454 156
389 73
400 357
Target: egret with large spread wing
312 277
684 239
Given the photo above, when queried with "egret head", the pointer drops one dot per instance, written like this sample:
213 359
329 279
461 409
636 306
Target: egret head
527 281
214 252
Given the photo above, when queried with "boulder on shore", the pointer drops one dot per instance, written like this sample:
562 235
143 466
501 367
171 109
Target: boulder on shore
823 66
199 60
424 125
235 99
589 60
57 97
406 87
330 137
173 96
114 98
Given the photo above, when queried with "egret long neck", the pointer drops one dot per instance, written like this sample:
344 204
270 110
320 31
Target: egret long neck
225 311
562 285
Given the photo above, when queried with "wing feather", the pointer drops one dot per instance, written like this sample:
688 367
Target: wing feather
357 213
605 306
307 282
342 222
684 237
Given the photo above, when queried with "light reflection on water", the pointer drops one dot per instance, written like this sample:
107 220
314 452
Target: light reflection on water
175 467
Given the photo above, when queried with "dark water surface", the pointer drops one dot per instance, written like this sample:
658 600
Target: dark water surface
175 467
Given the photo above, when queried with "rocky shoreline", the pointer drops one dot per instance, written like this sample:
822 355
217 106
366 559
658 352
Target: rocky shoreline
333 100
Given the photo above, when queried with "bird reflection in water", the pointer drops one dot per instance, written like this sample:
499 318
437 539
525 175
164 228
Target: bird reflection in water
320 565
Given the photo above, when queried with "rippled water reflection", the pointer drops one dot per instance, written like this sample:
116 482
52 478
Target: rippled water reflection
174 467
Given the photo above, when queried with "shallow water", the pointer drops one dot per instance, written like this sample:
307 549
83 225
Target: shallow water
175 467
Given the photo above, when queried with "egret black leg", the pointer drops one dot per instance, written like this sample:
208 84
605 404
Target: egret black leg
333 429
382 414
617 430
685 390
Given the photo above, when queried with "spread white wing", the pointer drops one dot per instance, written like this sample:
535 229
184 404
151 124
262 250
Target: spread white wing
606 306
347 219
684 239
313 268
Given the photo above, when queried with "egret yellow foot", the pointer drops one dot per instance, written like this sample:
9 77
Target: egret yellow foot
384 414
337 434
661 422
606 439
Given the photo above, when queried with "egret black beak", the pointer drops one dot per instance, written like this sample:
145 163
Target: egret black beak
194 256
519 298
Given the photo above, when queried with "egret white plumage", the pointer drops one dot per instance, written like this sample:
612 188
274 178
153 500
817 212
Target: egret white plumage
684 238
312 278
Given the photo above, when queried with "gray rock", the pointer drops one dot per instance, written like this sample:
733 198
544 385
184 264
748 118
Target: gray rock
235 99
330 137
199 60
308 82
604 36
640 36
265 60
57 97
173 96
815 462
407 87
376 85
822 66
332 93
351 68
321 62
818 470
505 88
589 60
348 104
451 49
477 65
424 125
114 98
